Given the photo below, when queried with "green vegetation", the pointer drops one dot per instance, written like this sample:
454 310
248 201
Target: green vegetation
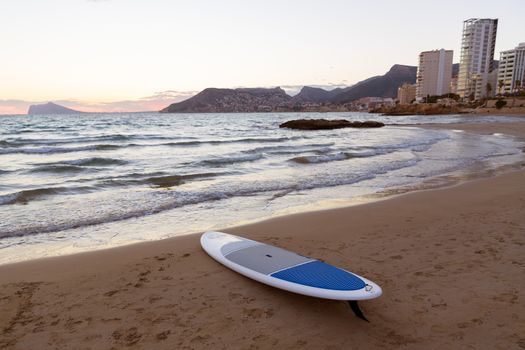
435 98
501 84
500 104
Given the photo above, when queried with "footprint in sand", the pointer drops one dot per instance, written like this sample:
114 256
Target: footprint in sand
163 335
129 337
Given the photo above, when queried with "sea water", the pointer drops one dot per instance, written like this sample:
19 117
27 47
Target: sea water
78 182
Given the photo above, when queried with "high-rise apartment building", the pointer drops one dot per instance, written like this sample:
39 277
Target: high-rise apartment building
477 58
434 73
511 74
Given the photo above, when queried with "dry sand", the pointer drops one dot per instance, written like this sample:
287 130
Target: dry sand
450 261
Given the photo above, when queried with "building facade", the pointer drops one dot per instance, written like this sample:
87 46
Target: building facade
370 103
511 73
406 93
477 58
434 73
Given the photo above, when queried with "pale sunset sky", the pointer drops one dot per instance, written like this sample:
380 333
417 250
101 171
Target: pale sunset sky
129 55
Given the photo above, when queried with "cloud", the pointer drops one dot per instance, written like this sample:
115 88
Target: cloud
170 95
155 102
13 106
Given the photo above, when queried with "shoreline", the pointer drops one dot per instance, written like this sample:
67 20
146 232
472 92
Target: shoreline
371 200
449 261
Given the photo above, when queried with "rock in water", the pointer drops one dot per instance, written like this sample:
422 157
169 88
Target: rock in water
324 124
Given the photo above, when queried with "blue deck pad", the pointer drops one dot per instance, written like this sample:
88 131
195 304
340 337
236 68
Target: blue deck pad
320 275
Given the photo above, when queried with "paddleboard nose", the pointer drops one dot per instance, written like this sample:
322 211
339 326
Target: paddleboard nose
373 290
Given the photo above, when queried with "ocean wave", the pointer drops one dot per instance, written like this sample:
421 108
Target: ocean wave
369 151
58 168
75 165
238 140
91 162
232 159
51 150
321 159
20 142
25 196
154 180
293 149
160 201
10 147
335 157
175 180
162 181
104 147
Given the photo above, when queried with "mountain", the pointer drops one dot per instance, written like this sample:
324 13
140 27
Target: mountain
316 95
213 100
50 108
379 86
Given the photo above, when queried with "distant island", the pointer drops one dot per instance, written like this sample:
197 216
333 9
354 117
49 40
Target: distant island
309 99
50 108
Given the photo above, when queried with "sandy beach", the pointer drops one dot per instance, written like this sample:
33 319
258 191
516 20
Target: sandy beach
450 262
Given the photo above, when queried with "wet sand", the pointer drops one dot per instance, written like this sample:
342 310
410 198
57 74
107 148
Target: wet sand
450 262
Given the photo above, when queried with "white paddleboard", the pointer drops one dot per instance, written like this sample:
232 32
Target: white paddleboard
286 270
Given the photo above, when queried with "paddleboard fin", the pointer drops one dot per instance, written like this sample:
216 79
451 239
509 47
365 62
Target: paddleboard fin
357 311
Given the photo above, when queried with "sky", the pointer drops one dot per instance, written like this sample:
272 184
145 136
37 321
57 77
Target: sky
137 55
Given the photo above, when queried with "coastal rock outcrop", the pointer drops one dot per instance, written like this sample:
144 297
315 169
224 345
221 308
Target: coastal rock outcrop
324 124
418 109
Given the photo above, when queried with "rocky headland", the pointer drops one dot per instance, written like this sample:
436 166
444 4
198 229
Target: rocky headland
50 108
309 99
213 100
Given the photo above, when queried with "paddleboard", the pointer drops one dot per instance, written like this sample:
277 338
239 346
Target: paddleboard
287 270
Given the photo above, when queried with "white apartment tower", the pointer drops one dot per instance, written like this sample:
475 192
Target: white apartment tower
511 74
434 73
477 57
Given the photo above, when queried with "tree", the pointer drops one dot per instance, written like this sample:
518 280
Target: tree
500 104
488 88
501 84
518 85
